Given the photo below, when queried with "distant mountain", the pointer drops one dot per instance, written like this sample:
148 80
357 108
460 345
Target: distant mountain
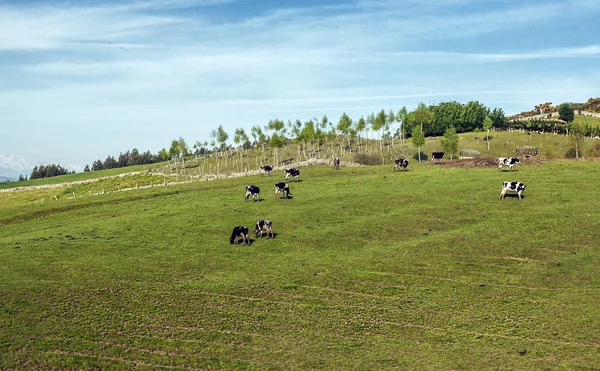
7 179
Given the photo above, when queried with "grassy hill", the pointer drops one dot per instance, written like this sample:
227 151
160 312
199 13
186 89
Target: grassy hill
370 269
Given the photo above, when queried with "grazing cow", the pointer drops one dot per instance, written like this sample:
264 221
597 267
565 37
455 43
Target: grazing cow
400 162
336 163
512 187
264 225
439 156
282 187
253 191
510 161
266 169
292 172
239 232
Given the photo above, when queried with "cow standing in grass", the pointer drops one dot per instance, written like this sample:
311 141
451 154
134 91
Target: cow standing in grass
264 225
292 172
510 161
253 191
336 163
512 187
400 162
266 169
437 156
282 187
239 232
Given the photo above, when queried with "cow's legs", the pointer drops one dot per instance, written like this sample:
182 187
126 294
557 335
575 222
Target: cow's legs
503 193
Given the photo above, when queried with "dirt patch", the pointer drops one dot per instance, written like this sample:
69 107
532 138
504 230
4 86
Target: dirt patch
481 162
468 162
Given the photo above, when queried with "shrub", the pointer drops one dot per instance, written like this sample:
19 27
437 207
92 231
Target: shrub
595 150
365 159
550 152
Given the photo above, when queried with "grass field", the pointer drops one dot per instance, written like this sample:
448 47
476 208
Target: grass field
369 269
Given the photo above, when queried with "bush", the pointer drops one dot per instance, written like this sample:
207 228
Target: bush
365 159
595 150
550 152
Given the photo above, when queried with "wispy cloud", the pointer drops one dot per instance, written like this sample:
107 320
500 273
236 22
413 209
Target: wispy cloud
14 162
101 68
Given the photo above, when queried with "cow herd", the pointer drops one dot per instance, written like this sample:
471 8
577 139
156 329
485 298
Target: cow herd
282 189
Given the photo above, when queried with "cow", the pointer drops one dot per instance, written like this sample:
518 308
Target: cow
282 187
266 169
439 156
512 187
239 232
264 225
510 161
253 191
292 172
400 162
336 163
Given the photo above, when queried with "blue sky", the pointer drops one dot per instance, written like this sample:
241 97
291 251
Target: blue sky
80 80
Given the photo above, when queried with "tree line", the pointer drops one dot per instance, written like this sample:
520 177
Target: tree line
47 171
129 158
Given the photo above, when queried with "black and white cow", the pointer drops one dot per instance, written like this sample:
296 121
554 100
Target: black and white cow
264 225
512 187
239 232
400 162
292 172
437 156
282 187
510 161
266 169
253 191
336 163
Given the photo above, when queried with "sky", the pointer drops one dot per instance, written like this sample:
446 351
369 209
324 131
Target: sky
81 80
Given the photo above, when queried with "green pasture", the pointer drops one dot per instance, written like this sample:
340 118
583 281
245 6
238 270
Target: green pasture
369 269
79 176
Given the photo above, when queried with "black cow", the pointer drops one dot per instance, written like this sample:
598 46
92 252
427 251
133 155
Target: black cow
264 225
239 232
400 162
253 191
282 187
512 187
336 163
510 161
266 169
292 172
439 156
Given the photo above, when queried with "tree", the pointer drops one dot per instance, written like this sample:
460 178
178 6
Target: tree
379 122
97 165
110 163
566 112
402 116
450 142
445 115
184 149
86 169
422 117
222 137
487 126
473 115
344 126
418 139
258 135
576 138
498 118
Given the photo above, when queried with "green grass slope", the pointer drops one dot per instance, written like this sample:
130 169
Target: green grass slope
369 269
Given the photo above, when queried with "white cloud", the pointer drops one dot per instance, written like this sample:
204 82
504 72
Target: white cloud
14 162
